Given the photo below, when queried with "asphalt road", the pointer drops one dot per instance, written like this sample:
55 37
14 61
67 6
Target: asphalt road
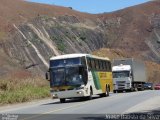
119 103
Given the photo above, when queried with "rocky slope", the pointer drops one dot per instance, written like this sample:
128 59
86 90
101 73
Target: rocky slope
32 33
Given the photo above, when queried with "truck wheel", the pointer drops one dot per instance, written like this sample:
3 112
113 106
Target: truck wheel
119 91
62 100
114 91
132 89
142 89
136 89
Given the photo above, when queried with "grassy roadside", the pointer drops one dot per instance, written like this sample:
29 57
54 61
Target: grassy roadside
22 90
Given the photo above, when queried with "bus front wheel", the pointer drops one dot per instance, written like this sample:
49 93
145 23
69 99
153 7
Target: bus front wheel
62 100
90 96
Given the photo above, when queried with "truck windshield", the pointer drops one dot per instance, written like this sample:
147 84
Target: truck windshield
120 74
67 76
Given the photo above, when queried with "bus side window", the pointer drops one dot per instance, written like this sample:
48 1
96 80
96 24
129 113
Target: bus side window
101 65
89 63
93 64
109 66
83 72
104 67
97 64
83 61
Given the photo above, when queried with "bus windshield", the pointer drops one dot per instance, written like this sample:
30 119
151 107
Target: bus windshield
65 62
120 74
69 76
58 76
73 76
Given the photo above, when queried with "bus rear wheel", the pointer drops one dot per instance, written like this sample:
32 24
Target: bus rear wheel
62 100
114 91
106 93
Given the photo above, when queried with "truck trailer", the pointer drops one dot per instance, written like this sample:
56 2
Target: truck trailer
129 74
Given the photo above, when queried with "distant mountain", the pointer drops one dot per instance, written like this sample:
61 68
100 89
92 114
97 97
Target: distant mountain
31 33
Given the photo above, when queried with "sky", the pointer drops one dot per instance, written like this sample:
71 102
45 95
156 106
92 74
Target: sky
93 6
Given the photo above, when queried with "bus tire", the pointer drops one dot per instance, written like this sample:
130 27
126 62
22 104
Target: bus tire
114 91
90 96
62 100
106 92
132 89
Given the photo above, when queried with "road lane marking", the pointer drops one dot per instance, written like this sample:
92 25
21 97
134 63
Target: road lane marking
53 111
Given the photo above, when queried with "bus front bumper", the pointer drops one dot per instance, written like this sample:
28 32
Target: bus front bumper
70 93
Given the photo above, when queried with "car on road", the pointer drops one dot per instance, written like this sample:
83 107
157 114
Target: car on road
157 87
148 86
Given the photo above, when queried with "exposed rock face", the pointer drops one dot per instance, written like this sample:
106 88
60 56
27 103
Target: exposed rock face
154 40
36 41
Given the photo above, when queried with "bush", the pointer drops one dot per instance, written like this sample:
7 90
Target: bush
59 42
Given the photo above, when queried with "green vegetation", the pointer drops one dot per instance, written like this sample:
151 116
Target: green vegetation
22 90
35 39
2 35
83 38
61 47
59 42
45 17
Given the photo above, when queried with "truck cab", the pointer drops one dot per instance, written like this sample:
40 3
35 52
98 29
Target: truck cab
122 78
129 74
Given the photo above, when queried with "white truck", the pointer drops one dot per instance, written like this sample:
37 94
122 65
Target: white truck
128 75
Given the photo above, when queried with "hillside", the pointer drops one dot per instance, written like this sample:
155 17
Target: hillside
31 33
137 29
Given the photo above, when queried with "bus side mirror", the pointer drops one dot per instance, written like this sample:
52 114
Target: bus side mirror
48 76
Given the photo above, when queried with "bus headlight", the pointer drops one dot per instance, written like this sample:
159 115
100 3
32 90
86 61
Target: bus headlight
79 92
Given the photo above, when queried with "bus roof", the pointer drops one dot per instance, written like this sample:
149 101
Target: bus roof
66 56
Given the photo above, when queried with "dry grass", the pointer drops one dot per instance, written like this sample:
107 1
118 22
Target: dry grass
16 90
153 70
